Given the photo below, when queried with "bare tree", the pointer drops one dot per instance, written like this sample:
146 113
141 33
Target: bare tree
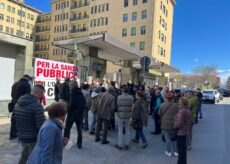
206 70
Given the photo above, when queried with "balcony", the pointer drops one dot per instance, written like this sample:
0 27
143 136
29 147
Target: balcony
42 40
84 4
72 55
41 49
79 30
79 18
42 30
43 20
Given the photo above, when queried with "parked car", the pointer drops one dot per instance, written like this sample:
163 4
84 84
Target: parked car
226 93
212 96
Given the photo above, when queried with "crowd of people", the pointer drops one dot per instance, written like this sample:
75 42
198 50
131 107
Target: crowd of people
123 108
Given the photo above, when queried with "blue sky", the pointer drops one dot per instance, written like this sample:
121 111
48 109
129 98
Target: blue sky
201 33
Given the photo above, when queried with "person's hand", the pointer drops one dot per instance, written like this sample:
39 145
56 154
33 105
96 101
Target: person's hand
66 141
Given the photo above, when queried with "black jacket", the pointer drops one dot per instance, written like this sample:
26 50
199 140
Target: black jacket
56 91
64 92
77 101
29 116
19 89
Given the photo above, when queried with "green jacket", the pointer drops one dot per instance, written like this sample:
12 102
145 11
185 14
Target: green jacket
193 104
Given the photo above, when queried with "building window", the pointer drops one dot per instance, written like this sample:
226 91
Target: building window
124 32
12 20
13 10
144 1
21 23
125 17
7 30
1 17
144 14
134 2
107 7
8 19
133 31
143 30
103 8
28 16
1 28
21 13
142 46
32 17
2 6
134 16
126 3
11 31
106 21
9 8
132 44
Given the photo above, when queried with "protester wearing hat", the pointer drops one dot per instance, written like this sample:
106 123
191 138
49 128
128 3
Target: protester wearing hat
167 113
64 91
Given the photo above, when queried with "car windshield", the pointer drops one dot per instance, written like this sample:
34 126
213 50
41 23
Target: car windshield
208 92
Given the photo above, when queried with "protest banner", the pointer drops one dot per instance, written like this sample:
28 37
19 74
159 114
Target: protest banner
47 71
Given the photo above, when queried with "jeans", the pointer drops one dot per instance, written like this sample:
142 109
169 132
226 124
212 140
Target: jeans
182 151
140 134
171 146
105 128
93 124
199 111
123 138
71 118
27 149
13 128
157 122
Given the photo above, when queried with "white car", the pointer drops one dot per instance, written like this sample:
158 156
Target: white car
211 96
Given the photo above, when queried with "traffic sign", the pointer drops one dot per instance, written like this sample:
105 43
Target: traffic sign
145 61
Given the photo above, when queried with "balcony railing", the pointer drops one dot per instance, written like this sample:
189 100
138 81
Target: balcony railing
79 18
41 40
79 30
72 55
84 4
44 30
41 49
43 20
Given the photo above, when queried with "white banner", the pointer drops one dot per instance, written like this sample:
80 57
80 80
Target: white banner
46 72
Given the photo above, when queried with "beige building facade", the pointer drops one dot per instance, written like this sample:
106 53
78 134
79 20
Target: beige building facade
142 24
17 18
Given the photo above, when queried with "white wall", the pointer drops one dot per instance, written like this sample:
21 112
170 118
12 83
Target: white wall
7 68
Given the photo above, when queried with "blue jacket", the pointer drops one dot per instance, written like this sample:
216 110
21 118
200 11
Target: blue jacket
49 147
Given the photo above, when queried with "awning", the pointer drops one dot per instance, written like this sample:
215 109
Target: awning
109 48
159 67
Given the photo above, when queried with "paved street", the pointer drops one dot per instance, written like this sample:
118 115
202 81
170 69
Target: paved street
211 144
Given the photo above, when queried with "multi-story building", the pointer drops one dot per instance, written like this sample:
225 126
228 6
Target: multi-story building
142 24
17 18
